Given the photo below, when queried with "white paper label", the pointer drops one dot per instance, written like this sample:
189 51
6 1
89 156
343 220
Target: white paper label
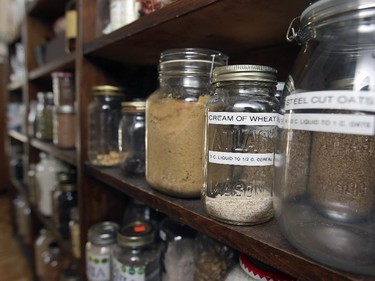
241 159
341 100
98 267
242 118
122 272
331 123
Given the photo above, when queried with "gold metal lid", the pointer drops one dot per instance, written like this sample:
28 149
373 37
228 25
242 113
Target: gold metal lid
136 234
107 90
133 106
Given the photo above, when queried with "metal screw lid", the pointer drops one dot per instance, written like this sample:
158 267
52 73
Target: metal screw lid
136 234
258 73
133 106
107 90
103 233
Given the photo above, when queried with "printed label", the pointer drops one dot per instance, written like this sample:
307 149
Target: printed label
122 272
331 123
241 159
98 267
342 100
242 118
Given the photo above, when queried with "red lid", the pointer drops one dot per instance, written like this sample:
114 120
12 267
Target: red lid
260 271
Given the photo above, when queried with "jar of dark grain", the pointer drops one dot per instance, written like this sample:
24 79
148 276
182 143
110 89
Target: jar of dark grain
325 156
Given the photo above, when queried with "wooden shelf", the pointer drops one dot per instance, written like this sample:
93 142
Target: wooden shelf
67 155
264 241
47 8
230 27
15 86
65 63
18 136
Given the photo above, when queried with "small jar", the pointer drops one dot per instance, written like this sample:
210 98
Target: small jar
74 228
104 118
54 262
64 126
175 121
40 246
240 138
44 113
63 88
249 269
136 254
177 251
132 137
101 239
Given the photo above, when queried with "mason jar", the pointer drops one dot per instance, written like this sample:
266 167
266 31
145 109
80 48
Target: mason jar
104 118
136 255
325 181
240 130
175 121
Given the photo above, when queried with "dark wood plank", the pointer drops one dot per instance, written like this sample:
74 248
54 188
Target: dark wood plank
18 136
4 172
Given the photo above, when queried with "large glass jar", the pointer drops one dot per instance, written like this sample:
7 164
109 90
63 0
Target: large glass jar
132 137
104 118
44 113
136 255
324 186
175 121
240 138
101 240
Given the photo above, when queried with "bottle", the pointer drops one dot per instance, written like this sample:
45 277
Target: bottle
175 121
44 113
54 262
71 16
136 254
324 190
40 246
101 240
74 228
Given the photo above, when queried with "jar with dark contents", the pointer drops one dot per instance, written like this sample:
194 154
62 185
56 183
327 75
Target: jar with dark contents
44 114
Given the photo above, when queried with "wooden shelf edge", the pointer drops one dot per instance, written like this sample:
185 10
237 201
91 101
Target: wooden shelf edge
64 63
264 242
18 136
15 85
68 156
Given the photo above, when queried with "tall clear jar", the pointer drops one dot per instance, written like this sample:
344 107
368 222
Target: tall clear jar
175 121
132 137
101 240
324 186
44 113
104 118
136 255
241 120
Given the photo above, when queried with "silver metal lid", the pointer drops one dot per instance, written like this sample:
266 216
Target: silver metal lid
103 233
259 73
136 234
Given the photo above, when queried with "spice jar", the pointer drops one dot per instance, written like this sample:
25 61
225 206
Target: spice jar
101 240
40 246
177 251
75 232
64 126
104 118
175 121
63 88
249 269
132 137
136 255
327 120
240 138
44 112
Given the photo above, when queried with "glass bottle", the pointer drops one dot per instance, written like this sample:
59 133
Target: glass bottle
71 16
32 184
104 118
40 246
325 156
74 228
44 124
54 262
132 137
240 138
175 121
101 240
136 254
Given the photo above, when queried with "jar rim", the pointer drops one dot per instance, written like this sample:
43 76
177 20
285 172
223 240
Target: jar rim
107 90
136 234
103 233
133 106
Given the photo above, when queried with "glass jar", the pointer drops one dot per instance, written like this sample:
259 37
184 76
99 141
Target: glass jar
103 20
23 218
324 186
240 138
101 239
74 228
123 12
32 184
64 126
63 88
249 269
40 246
138 211
132 137
104 118
31 118
136 255
177 251
44 124
54 262
175 121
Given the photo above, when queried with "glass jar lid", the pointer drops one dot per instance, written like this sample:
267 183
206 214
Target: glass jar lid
133 106
103 233
258 73
107 90
136 234
190 61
